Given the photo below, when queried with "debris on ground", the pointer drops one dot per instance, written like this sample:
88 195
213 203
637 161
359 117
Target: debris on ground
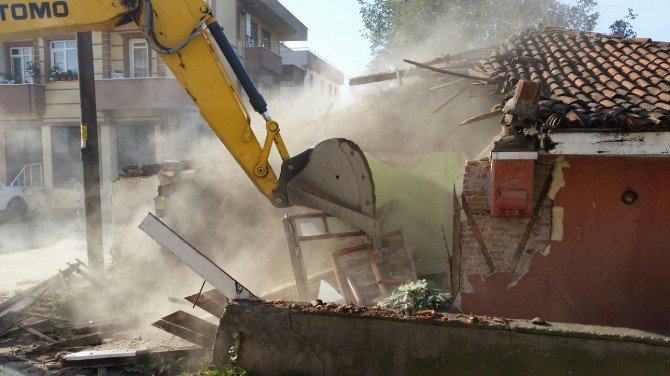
44 330
351 310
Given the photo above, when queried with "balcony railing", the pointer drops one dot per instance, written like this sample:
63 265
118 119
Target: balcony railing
259 59
31 176
292 75
138 93
22 98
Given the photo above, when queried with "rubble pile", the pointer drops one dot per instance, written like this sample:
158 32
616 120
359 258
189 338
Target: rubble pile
45 331
351 310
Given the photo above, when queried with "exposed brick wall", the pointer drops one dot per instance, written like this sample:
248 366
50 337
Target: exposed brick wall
501 235
475 181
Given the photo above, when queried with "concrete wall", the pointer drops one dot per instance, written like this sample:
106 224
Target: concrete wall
606 262
278 341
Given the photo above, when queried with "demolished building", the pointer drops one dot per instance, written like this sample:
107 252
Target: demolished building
566 220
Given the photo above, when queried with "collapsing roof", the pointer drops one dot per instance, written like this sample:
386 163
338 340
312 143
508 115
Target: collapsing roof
592 81
595 80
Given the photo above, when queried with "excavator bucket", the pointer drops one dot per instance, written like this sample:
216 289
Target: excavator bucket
333 177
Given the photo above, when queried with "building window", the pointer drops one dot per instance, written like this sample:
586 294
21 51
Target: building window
139 58
322 87
239 23
335 92
311 81
64 55
66 153
330 90
20 58
253 34
23 145
266 40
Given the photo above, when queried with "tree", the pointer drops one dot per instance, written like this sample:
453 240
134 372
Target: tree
399 25
623 27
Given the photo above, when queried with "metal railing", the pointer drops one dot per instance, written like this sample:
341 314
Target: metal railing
31 176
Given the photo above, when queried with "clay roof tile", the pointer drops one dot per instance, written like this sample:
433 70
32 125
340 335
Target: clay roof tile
590 74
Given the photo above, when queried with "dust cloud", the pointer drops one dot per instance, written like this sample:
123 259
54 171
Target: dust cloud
416 158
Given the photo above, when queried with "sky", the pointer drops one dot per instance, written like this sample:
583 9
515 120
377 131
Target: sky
335 27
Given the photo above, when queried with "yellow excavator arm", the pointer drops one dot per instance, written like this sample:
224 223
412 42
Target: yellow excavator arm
333 176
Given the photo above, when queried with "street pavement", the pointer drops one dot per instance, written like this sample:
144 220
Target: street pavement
35 249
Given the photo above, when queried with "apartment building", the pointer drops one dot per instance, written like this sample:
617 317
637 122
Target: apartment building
144 114
306 77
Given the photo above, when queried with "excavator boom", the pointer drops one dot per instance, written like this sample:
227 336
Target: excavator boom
333 176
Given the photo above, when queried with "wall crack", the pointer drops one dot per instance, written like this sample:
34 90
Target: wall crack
306 342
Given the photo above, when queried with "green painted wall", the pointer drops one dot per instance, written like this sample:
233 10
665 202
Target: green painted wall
419 201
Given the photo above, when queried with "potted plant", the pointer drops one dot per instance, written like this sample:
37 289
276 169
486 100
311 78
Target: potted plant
55 73
72 75
33 69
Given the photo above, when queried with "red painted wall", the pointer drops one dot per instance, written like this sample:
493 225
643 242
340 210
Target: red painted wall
612 266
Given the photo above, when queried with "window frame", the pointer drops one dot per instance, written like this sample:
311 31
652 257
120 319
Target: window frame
265 33
131 57
253 34
25 79
64 50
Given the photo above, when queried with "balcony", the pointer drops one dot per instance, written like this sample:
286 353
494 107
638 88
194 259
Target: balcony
307 59
292 75
277 18
142 93
22 99
262 60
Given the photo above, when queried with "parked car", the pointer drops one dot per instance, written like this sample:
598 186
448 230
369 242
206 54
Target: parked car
13 206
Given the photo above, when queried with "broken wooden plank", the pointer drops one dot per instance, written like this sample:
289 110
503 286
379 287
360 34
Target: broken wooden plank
27 298
37 333
91 339
174 300
449 255
105 327
100 358
478 235
455 271
10 321
194 323
211 301
297 262
66 285
451 98
482 117
530 226
94 281
390 75
195 259
450 83
374 78
445 71
121 357
44 317
206 341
